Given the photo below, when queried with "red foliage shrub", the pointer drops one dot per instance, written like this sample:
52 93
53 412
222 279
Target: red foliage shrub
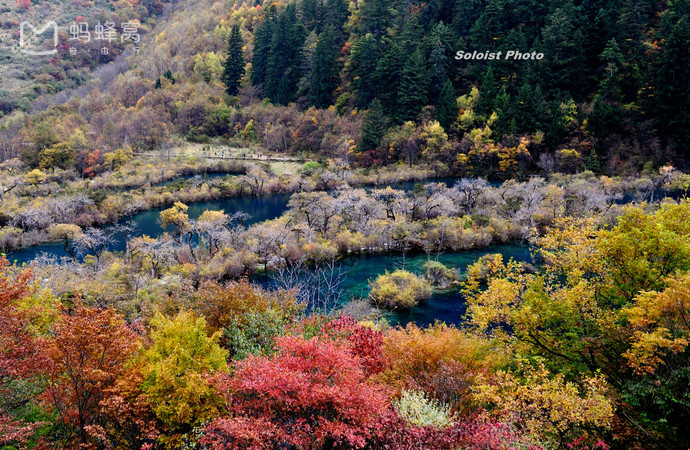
363 342
88 354
20 355
476 433
313 393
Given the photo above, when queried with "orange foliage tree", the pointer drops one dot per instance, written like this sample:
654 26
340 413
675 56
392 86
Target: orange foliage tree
88 354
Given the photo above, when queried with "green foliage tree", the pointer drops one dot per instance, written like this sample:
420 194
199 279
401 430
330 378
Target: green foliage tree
373 127
324 73
233 70
180 355
412 93
447 106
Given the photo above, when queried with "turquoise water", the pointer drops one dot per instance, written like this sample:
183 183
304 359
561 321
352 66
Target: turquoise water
448 306
148 222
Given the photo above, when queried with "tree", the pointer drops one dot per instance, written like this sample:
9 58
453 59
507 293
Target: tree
363 61
248 317
399 290
94 241
180 355
312 393
488 91
447 106
412 93
552 409
373 127
324 73
67 233
282 71
89 352
234 63
262 46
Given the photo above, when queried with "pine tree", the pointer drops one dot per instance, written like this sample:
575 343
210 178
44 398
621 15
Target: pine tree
157 85
373 127
609 87
234 64
168 75
375 16
488 91
324 74
363 61
387 76
262 46
592 162
282 70
447 106
412 94
437 69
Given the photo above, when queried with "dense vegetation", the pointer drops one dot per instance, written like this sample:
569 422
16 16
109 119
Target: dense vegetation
588 351
219 331
377 82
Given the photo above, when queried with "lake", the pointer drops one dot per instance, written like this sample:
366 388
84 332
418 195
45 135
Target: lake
447 306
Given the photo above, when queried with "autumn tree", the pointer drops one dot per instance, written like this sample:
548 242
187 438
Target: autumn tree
180 355
399 290
88 353
312 393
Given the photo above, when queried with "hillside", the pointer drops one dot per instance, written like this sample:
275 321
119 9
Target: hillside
375 83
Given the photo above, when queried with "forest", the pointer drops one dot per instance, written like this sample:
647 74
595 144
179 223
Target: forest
315 224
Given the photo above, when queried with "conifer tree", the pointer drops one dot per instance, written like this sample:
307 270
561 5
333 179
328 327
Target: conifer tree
262 46
234 64
387 76
412 94
488 91
446 106
363 61
282 70
324 73
373 127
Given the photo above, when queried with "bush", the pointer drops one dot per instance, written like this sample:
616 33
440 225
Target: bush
311 394
399 290
419 410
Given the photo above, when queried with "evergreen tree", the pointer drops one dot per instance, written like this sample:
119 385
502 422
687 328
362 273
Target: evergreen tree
592 162
609 87
447 106
282 70
324 74
437 69
262 46
373 127
525 108
234 64
671 97
488 91
363 61
563 42
387 76
412 93
157 84
168 75
375 16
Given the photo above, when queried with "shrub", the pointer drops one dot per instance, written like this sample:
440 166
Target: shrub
399 290
311 394
419 410
440 360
